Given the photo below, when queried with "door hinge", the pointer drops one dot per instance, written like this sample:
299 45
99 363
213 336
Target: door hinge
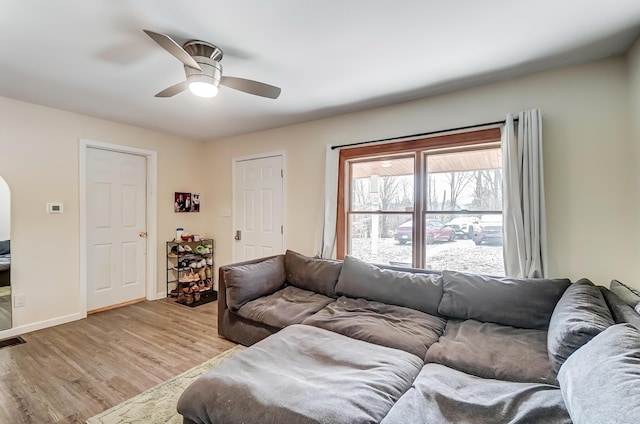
282 173
282 229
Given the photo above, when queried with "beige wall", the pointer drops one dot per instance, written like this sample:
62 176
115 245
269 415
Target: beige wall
5 210
633 60
588 162
591 182
39 160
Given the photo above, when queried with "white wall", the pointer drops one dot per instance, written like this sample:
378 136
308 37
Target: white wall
588 162
39 150
5 210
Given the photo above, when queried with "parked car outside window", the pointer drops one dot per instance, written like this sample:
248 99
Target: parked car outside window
489 230
461 226
435 231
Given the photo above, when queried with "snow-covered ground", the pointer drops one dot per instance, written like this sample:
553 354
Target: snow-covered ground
459 255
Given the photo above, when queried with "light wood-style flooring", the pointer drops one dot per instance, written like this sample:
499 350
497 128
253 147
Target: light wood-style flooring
68 373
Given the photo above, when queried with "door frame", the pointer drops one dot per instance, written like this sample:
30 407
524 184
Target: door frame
151 215
234 162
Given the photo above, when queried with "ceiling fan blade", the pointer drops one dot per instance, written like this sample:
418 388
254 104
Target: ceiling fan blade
251 87
173 90
174 48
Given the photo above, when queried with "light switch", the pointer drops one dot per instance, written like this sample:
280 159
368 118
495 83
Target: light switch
55 208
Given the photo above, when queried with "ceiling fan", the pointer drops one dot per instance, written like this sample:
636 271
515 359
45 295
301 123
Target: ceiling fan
203 70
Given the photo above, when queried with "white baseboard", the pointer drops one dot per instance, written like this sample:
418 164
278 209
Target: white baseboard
23 329
159 296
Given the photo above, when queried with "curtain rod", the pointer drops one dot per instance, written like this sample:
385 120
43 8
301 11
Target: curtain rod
421 134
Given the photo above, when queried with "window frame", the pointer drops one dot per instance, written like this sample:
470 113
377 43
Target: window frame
464 141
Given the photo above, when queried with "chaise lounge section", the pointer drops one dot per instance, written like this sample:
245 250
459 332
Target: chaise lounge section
471 348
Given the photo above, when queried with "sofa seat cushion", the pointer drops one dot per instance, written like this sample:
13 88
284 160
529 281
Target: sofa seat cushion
387 325
444 395
524 303
419 289
580 315
288 306
494 351
302 375
600 382
315 274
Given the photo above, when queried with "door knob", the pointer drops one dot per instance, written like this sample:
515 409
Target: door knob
142 234
238 235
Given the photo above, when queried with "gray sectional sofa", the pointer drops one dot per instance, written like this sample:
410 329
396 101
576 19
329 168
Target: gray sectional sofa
350 342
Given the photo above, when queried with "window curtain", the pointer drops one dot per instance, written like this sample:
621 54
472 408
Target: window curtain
328 228
525 239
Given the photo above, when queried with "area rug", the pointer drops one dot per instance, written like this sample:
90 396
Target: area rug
158 404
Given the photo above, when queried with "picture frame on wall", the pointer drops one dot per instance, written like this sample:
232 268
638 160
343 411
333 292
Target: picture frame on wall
186 202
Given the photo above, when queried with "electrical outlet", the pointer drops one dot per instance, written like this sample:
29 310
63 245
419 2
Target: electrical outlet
19 300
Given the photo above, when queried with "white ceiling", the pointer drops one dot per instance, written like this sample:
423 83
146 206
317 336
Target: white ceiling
329 57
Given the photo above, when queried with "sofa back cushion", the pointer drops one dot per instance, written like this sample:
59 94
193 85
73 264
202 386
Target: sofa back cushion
620 311
246 282
313 274
419 291
600 382
580 315
524 303
628 295
5 247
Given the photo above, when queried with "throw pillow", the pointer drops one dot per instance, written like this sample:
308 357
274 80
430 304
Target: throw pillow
313 274
517 302
415 290
600 382
250 281
579 316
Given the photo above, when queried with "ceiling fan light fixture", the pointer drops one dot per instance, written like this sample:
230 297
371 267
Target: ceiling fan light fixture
203 88
204 83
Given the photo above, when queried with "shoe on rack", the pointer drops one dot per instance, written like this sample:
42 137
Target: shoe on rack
207 272
187 248
200 249
202 274
208 284
209 261
195 290
202 263
183 263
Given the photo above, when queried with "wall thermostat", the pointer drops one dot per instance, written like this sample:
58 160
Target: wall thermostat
55 208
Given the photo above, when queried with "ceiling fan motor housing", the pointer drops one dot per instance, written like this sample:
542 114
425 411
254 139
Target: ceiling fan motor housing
211 71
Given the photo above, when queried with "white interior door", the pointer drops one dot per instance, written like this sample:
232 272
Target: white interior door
116 228
258 207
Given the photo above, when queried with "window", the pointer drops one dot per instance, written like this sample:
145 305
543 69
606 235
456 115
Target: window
430 203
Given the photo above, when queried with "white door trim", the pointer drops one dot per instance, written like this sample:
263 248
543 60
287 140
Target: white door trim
152 208
237 159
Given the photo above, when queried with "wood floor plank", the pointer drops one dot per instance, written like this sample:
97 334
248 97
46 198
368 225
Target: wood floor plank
68 373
